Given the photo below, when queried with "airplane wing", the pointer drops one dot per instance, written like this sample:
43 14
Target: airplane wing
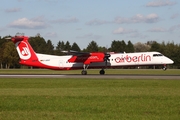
72 52
78 53
87 58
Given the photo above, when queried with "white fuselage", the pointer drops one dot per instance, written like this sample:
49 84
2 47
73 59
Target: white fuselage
115 60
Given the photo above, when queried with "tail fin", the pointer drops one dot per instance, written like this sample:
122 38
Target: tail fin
25 51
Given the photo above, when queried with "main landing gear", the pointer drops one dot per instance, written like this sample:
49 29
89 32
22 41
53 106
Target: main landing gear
85 67
102 72
84 71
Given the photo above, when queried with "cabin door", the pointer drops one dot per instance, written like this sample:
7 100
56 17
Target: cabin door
61 64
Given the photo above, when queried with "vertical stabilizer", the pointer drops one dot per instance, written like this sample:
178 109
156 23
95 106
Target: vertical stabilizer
25 51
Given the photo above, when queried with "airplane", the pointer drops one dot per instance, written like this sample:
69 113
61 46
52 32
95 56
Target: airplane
85 60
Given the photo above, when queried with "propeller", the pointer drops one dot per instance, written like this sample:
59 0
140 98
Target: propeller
106 58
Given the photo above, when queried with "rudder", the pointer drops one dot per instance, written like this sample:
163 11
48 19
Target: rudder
25 51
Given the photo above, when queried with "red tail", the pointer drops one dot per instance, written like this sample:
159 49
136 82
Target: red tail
25 51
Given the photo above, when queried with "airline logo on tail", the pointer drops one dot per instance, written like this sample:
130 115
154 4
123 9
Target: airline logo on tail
23 50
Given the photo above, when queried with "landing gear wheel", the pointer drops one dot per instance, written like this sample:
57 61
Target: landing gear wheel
102 72
164 68
84 72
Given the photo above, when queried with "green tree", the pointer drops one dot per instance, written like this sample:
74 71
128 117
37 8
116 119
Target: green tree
59 48
141 47
92 47
155 46
114 46
103 49
10 56
67 46
129 47
118 46
172 51
123 46
75 47
177 57
3 42
38 44
49 48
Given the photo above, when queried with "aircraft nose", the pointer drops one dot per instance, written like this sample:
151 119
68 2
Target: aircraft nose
170 61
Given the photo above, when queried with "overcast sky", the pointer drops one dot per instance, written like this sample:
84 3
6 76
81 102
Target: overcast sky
103 21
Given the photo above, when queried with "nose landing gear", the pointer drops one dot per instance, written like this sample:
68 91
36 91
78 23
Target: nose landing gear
164 68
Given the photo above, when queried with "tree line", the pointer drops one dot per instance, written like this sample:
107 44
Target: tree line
9 57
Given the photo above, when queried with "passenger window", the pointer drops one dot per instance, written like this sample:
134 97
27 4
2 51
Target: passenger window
154 55
157 55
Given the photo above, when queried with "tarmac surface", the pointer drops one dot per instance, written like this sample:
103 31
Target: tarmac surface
124 76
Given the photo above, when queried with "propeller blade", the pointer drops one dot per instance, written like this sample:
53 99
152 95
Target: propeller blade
106 58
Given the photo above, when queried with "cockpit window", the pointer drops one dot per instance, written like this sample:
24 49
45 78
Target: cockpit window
157 55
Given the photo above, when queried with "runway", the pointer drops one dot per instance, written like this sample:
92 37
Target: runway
124 76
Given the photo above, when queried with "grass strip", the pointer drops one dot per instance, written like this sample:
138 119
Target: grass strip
93 71
79 99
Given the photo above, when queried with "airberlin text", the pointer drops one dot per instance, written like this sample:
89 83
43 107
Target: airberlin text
127 58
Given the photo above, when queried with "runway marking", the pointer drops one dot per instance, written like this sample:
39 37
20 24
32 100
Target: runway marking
168 77
30 76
